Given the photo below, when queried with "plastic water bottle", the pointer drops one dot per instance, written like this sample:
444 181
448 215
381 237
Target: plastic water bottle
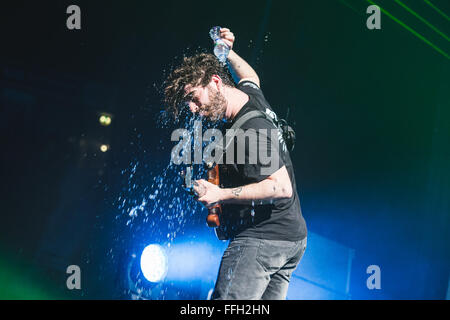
221 49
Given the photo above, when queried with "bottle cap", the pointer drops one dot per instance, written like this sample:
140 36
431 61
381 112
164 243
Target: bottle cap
214 33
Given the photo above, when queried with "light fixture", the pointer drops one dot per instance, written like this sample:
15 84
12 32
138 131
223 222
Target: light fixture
105 119
104 147
154 263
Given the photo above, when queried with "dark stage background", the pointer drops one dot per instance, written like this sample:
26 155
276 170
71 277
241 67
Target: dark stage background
370 109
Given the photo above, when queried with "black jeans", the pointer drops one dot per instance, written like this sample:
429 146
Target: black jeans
254 269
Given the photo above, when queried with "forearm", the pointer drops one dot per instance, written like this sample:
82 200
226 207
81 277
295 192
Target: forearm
241 68
263 192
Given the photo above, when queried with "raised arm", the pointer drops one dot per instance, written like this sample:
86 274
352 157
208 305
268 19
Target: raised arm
238 65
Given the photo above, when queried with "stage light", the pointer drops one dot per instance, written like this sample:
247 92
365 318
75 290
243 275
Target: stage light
104 148
154 263
105 120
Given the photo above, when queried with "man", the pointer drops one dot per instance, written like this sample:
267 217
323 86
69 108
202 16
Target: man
261 212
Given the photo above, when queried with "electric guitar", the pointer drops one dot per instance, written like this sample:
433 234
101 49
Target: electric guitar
214 212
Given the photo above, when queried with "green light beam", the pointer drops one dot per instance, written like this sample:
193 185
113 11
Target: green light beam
422 19
412 31
349 6
437 9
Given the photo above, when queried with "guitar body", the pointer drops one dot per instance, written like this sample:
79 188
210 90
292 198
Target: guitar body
213 218
220 234
214 213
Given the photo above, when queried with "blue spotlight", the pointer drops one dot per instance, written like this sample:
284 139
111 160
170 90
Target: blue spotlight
154 263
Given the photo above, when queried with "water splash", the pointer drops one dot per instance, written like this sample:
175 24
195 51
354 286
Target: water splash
150 204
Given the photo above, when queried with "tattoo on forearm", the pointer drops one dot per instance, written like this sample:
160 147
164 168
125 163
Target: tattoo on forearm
236 191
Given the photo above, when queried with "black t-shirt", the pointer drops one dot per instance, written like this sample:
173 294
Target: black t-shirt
280 220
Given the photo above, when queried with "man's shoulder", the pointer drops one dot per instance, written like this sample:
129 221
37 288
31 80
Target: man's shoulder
247 83
250 87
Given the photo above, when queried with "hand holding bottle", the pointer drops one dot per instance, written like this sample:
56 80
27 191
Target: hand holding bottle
227 36
223 42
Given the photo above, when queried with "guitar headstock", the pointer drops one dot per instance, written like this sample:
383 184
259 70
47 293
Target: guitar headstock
188 180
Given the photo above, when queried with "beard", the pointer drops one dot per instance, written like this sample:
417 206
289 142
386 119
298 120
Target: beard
215 110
